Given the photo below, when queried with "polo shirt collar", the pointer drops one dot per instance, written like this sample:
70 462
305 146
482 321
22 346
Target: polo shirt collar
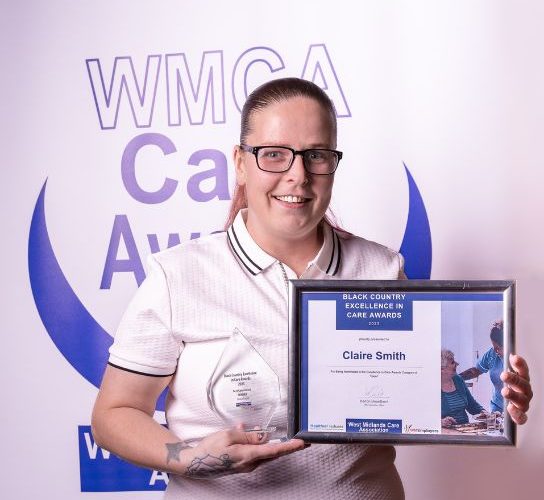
255 259
251 255
329 257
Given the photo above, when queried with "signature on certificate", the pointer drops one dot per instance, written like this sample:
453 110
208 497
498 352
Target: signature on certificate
374 391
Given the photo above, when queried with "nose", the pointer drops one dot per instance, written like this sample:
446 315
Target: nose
297 173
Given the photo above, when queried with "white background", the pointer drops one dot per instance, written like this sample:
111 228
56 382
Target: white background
451 88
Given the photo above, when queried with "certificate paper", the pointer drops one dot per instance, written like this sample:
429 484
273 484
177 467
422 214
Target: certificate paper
368 358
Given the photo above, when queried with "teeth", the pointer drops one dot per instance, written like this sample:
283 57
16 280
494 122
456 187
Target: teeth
291 199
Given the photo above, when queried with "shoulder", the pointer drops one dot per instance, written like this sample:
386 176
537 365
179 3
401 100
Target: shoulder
360 244
487 358
459 382
373 260
198 258
206 247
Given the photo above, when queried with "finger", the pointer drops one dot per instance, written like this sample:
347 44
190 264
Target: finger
240 427
519 365
239 436
517 384
276 450
518 399
517 415
514 378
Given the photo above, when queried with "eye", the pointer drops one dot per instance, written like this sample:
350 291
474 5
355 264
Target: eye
315 155
274 154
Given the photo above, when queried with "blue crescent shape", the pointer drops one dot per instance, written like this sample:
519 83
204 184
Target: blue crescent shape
416 247
77 335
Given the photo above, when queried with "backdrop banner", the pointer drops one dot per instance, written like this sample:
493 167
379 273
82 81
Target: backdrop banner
119 122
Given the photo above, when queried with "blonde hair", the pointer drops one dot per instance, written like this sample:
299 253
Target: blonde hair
445 355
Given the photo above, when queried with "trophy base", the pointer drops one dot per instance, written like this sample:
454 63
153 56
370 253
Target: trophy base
265 430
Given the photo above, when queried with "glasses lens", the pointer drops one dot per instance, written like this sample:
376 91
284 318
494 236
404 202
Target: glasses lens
320 161
274 159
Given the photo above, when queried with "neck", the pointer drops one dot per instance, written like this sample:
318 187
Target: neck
447 381
296 252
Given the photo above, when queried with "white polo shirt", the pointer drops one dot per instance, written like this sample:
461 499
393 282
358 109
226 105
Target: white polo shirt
179 321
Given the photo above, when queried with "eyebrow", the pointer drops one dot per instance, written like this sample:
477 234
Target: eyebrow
284 145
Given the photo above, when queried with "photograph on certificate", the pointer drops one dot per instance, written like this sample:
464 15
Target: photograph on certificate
472 359
399 361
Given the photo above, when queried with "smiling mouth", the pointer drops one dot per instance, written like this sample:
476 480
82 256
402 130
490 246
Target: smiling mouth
292 199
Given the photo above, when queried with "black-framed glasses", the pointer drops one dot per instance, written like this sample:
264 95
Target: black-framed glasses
279 159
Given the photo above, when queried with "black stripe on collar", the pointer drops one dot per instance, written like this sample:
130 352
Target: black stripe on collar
339 258
238 254
336 254
333 251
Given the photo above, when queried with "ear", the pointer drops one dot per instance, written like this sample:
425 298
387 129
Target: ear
239 166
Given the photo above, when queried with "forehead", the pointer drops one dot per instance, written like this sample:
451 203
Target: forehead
293 121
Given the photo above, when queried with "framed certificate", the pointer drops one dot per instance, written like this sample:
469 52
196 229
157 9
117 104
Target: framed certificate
400 361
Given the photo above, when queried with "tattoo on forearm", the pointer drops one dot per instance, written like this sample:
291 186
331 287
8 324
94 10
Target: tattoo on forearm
209 465
174 449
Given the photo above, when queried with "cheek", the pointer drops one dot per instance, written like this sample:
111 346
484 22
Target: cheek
324 188
258 185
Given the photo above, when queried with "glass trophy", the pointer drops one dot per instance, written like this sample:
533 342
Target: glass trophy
243 388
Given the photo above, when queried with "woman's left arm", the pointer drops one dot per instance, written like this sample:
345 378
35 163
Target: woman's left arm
473 407
517 389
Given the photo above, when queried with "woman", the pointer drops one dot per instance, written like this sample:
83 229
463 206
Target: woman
492 361
195 294
456 398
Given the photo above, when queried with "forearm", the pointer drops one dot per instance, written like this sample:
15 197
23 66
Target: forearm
473 407
470 373
123 424
137 438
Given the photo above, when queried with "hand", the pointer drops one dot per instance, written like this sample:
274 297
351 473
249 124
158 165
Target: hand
235 451
517 389
448 421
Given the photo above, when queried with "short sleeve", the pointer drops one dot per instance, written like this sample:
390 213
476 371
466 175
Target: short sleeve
144 342
485 362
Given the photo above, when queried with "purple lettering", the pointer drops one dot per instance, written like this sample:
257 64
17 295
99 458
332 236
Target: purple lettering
318 68
140 97
210 87
240 73
220 172
122 231
128 168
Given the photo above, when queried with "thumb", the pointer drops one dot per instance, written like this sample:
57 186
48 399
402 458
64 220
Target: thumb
239 435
